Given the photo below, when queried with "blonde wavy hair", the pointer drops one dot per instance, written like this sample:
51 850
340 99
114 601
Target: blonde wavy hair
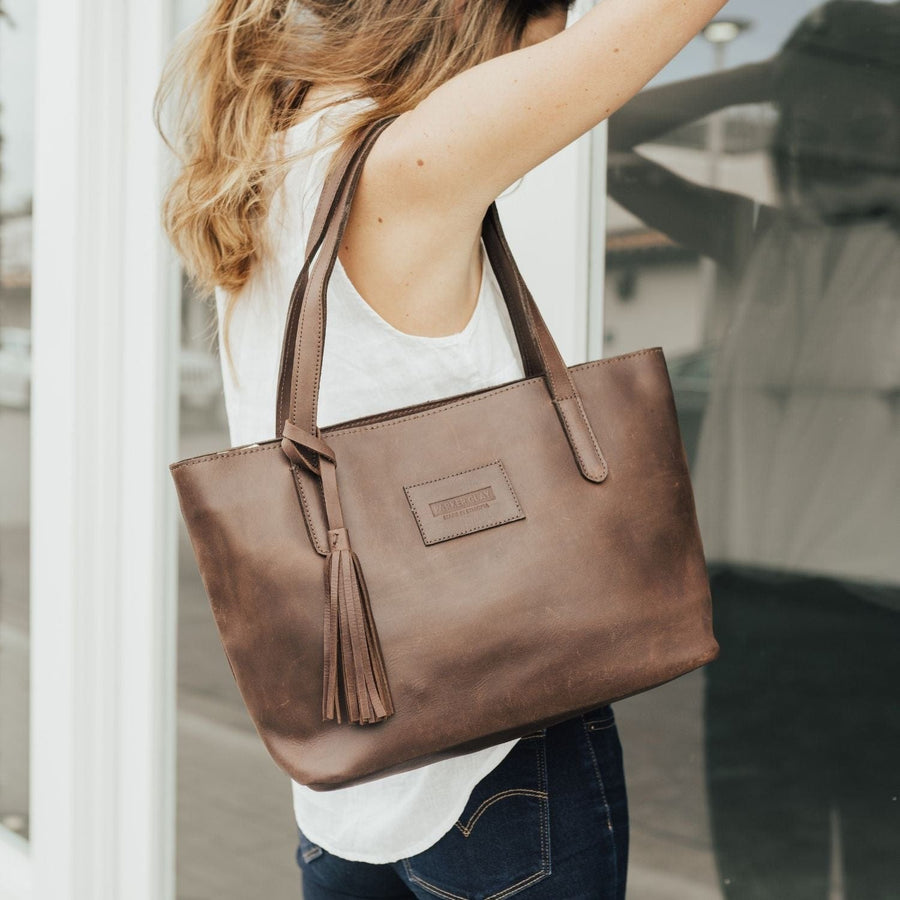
238 78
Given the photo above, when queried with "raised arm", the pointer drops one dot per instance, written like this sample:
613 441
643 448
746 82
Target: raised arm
411 244
487 127
717 223
657 111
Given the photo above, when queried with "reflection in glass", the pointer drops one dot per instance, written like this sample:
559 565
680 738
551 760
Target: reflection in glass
16 93
792 413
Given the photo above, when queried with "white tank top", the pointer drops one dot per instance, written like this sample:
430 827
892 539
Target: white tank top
368 367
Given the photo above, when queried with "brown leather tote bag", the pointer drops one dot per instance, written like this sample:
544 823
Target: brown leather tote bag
520 554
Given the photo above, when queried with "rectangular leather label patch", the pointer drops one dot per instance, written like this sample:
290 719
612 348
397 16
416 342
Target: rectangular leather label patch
466 502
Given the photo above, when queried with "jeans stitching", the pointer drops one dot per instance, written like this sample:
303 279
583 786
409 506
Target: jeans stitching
427 885
546 863
545 870
609 823
603 720
600 726
500 895
519 886
514 792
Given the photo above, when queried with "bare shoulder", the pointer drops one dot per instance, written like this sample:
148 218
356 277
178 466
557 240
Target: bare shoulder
415 260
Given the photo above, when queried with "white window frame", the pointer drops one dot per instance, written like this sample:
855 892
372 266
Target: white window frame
104 410
106 325
556 225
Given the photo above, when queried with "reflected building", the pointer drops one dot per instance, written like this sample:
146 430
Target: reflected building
791 398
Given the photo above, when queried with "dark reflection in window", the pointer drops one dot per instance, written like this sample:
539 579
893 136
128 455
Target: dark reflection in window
797 462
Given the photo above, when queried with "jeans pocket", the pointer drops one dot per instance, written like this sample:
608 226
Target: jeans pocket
500 845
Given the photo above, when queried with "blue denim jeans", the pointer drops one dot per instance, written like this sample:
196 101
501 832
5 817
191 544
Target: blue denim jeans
549 823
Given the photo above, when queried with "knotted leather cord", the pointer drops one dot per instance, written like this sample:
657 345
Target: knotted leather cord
294 436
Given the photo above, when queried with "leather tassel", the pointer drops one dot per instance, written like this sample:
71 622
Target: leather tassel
355 679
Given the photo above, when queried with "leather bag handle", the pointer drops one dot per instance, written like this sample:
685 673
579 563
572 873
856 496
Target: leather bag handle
325 210
299 378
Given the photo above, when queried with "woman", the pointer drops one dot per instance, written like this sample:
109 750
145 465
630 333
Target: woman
484 90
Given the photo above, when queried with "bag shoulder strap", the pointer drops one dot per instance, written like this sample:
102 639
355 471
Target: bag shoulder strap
299 378
325 210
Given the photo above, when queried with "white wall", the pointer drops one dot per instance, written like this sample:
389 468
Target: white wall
546 221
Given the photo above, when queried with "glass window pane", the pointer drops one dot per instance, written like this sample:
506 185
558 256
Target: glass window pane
17 32
754 233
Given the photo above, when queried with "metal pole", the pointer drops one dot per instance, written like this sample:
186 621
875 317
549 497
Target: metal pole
716 132
715 146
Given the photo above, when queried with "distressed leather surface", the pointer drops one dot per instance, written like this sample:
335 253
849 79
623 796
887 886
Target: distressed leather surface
595 590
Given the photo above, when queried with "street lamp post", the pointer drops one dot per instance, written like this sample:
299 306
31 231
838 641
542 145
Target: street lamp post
720 33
